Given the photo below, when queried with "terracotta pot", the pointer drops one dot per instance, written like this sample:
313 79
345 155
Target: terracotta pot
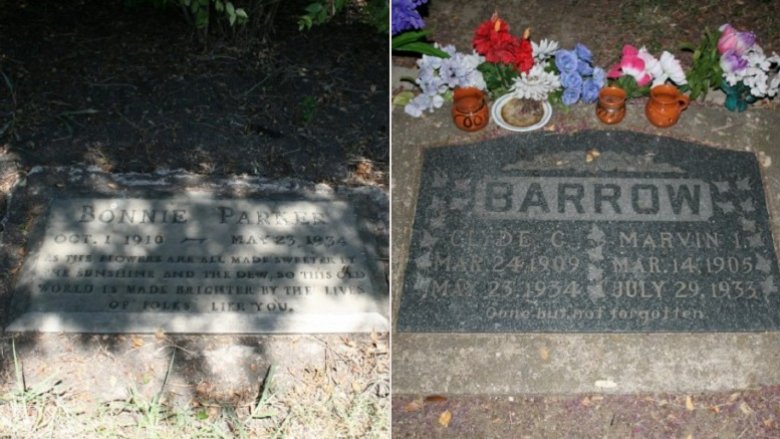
611 107
665 105
469 109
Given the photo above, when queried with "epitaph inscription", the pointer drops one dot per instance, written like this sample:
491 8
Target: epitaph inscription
643 235
199 265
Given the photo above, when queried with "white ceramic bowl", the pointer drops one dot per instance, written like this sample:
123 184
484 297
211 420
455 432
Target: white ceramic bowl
496 114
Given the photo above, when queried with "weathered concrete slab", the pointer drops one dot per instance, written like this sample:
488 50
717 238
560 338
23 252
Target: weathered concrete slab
596 232
200 262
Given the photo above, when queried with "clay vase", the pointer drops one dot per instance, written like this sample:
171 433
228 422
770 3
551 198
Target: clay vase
665 105
469 109
611 106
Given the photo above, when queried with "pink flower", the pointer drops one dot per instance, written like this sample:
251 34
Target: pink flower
632 64
733 40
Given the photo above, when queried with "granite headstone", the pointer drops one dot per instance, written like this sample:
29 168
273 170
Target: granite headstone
604 232
198 265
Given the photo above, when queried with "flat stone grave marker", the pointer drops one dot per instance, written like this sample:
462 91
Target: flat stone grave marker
199 264
608 232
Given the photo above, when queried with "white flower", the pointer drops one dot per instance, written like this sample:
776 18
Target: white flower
652 66
536 84
544 50
671 69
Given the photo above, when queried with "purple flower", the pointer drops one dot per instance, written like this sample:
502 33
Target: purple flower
566 61
590 91
584 68
571 80
583 53
405 15
571 96
733 40
599 76
730 62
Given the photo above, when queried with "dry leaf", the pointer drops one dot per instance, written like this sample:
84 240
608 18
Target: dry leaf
357 387
159 334
591 154
585 402
544 353
733 397
769 423
435 398
745 408
689 403
690 436
444 418
714 409
414 406
137 342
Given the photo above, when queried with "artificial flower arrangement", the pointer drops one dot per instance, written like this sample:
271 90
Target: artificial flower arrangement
407 29
748 74
437 77
638 71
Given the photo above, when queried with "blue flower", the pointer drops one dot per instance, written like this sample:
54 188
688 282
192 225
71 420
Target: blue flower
571 96
584 68
599 76
583 53
566 61
590 91
405 15
571 80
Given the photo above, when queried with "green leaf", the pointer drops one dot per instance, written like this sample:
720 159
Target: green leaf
219 6
423 48
201 415
314 8
230 9
408 37
403 98
241 14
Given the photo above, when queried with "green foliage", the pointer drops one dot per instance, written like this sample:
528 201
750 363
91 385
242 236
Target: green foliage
309 106
706 73
200 12
632 89
414 41
321 11
499 78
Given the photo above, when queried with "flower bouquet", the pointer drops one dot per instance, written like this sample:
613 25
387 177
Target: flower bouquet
638 70
748 74
517 72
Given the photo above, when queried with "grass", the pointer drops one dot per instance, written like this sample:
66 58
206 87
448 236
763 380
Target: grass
346 397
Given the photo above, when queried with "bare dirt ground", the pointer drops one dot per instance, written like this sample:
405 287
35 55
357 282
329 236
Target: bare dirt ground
132 89
604 26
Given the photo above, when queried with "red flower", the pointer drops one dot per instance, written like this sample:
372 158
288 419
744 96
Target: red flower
493 40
